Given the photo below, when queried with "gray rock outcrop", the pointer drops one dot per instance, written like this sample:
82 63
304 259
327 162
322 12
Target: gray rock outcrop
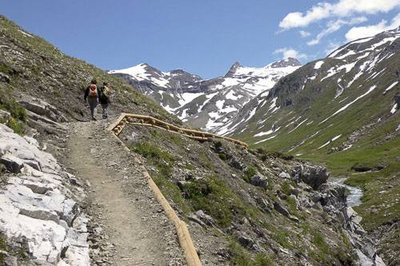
37 211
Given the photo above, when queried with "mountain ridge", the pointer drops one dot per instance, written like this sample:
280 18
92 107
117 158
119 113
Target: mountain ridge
206 104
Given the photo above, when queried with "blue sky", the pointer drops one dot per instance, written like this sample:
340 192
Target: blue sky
204 37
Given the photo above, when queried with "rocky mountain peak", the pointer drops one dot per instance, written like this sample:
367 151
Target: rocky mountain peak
184 74
286 63
233 69
149 69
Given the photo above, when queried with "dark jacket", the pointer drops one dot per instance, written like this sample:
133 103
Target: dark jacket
103 98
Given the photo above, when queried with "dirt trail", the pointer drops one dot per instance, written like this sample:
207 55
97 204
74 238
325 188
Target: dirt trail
126 209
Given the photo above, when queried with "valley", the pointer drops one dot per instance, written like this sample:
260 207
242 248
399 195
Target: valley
278 202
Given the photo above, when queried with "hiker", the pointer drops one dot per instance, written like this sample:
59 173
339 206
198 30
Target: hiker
104 97
92 97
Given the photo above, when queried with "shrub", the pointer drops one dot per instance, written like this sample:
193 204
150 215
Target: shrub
249 172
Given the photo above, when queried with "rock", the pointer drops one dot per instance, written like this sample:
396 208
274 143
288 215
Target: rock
207 219
378 261
281 209
295 191
333 195
11 261
314 176
259 181
4 78
182 184
245 241
366 168
35 203
43 108
284 175
5 129
264 205
4 116
196 219
39 189
12 163
40 215
189 177
294 218
235 163
27 152
351 215
32 141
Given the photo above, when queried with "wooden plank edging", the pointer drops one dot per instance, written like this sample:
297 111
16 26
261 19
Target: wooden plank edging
185 240
145 120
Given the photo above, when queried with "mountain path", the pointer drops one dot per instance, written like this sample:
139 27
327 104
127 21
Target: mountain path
133 221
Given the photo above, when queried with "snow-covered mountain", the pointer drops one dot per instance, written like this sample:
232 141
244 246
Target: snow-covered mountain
357 74
207 104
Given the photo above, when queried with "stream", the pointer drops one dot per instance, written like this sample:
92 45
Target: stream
364 247
354 198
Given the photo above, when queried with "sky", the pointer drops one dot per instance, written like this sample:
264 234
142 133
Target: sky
204 37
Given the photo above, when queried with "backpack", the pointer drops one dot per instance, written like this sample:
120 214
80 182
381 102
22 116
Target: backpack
106 91
92 90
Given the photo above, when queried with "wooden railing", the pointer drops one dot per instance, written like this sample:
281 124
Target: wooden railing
144 120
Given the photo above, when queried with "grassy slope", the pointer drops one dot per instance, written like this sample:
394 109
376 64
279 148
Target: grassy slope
37 68
211 188
378 143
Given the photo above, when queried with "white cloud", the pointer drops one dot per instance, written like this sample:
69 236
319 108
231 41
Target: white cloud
342 8
289 52
304 33
297 19
334 26
349 7
370 30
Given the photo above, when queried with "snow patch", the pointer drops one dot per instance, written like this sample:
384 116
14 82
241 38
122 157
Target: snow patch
390 87
351 52
232 96
230 82
26 34
329 141
318 64
220 104
188 97
209 97
261 141
394 109
302 122
347 105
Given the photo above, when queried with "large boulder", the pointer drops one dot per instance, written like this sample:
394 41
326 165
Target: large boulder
43 108
312 175
12 163
259 181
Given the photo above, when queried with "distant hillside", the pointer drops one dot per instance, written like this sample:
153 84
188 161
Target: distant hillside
31 67
207 104
342 110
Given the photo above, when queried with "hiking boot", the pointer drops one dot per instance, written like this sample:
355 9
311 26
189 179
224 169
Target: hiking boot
94 119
